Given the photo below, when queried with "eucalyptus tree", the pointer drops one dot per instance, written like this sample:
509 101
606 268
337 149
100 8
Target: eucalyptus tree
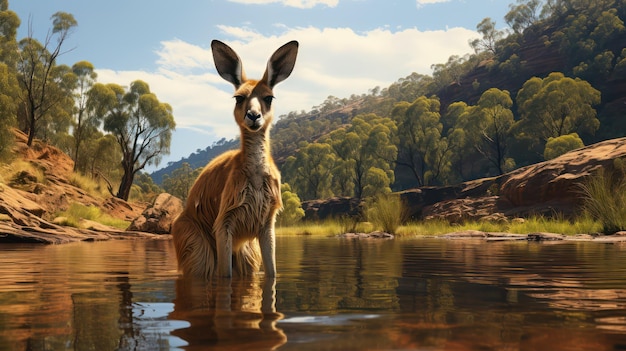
557 105
490 36
523 14
180 181
9 87
422 149
9 23
45 85
310 171
366 151
141 124
8 92
87 118
494 120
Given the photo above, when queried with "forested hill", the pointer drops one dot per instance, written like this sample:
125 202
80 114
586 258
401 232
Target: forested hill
197 159
554 81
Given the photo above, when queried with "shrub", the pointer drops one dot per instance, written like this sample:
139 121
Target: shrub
558 146
292 211
604 197
385 212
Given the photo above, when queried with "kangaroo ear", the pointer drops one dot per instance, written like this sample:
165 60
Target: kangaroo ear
228 63
281 64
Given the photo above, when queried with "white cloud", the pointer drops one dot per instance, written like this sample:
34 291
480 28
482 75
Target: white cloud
331 61
420 3
302 4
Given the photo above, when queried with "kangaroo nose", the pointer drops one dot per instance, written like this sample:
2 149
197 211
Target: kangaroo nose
253 116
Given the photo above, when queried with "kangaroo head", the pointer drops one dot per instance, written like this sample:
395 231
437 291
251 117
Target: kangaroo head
253 108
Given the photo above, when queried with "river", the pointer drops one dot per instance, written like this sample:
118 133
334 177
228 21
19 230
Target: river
330 294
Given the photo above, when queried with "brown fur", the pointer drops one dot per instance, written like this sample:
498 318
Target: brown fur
227 226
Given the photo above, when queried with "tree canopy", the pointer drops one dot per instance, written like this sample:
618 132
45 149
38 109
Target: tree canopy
141 124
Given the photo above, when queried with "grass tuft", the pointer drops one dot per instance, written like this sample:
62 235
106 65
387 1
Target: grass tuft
386 212
76 212
604 199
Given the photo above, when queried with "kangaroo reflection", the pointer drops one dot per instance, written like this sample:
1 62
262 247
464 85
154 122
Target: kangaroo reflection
226 313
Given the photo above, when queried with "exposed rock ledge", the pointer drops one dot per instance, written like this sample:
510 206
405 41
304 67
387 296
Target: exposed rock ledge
20 222
619 237
62 235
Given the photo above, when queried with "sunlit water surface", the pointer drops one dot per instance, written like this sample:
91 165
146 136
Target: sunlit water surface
331 294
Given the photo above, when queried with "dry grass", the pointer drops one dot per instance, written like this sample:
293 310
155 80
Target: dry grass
9 171
605 199
91 186
76 212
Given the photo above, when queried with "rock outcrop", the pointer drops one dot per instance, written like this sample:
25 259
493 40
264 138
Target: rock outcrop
546 188
158 217
331 208
28 204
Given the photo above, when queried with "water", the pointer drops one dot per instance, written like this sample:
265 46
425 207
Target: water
331 294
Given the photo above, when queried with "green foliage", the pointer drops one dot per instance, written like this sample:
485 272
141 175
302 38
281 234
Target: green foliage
181 181
86 119
141 124
8 108
523 15
620 66
292 211
76 212
481 134
494 121
604 196
558 146
557 105
409 88
144 188
490 36
310 171
365 152
47 87
532 224
421 147
385 212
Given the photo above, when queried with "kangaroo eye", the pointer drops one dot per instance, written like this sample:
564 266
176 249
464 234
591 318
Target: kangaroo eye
268 100
239 99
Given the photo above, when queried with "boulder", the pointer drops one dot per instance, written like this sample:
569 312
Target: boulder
331 208
158 217
555 184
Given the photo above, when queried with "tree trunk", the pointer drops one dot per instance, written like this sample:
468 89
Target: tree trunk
125 185
31 127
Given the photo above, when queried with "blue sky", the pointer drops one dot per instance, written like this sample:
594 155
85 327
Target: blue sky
346 47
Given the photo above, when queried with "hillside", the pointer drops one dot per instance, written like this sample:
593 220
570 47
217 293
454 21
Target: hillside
195 160
584 42
30 199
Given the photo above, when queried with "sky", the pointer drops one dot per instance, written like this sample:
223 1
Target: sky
346 47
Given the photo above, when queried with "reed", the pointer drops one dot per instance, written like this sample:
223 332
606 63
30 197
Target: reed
385 212
604 198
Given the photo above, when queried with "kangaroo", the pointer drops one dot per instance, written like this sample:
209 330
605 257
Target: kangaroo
227 225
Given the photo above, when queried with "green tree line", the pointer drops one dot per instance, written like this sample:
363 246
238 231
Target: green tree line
110 131
412 133
405 136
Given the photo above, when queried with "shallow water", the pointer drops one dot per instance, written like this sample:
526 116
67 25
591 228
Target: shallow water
331 294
